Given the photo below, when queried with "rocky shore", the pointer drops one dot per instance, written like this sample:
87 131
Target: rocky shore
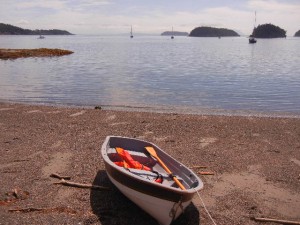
40 52
255 163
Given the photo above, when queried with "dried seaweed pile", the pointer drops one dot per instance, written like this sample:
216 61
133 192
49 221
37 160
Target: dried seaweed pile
40 52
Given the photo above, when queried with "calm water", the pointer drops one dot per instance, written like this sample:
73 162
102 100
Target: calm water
155 72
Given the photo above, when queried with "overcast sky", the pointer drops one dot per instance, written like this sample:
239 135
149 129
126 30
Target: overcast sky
149 16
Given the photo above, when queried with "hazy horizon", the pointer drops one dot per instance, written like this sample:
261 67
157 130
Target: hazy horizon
117 16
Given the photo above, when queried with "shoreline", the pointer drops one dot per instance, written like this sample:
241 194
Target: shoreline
183 110
255 160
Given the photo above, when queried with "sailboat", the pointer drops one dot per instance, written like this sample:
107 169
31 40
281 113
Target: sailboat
41 37
172 37
252 39
131 35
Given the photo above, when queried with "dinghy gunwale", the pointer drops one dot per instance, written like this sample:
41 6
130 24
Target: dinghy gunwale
148 187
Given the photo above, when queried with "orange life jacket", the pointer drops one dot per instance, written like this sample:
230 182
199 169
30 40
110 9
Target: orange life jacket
128 161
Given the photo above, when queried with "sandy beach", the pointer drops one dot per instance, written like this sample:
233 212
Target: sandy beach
255 161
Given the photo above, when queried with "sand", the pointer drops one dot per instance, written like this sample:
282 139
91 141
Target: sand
255 160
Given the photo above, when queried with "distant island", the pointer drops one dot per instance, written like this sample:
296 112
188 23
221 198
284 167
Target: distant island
174 33
297 34
268 31
213 32
7 29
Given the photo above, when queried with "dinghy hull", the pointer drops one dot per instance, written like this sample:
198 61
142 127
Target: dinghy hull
163 201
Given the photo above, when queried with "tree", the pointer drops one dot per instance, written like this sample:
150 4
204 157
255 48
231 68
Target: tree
268 31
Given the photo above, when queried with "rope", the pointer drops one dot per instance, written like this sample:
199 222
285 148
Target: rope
205 207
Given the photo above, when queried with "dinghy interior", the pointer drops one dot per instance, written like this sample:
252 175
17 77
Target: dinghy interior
137 150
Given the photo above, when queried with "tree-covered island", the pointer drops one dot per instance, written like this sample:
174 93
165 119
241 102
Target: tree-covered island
297 34
213 32
268 31
7 29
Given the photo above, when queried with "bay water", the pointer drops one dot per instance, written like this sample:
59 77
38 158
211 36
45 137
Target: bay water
157 73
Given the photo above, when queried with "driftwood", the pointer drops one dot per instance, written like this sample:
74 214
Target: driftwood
79 185
206 173
73 184
45 210
276 221
26 210
21 160
55 175
199 167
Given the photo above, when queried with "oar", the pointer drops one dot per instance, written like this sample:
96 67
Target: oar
152 152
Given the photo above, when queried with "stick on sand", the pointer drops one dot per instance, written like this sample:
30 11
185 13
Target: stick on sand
79 185
276 221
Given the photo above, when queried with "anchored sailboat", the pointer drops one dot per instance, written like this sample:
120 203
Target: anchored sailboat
172 36
131 35
252 39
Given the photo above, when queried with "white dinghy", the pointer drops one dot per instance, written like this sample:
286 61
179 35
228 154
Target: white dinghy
152 179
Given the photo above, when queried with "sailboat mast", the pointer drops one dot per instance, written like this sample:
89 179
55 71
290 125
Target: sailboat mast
255 20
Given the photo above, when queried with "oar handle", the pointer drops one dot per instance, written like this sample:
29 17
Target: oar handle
169 172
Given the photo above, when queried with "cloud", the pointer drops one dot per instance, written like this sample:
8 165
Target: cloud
222 17
94 2
111 16
284 15
23 22
274 6
63 5
89 6
51 4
